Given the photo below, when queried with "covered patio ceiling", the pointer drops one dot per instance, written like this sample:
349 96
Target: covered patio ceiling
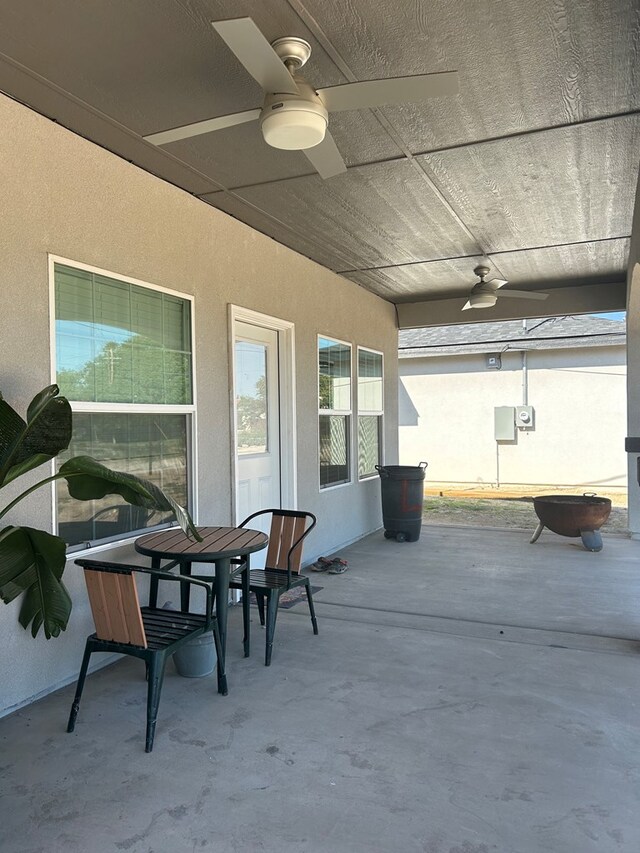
531 169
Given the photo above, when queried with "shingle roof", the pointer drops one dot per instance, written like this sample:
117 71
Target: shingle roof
545 333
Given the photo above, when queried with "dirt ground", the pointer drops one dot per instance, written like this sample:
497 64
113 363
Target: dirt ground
515 512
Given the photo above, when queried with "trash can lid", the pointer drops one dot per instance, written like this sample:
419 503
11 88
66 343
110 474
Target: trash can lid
402 472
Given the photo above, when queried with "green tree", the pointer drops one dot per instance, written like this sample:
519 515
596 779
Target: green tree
251 412
137 370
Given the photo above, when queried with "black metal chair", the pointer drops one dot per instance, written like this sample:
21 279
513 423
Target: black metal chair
281 573
152 634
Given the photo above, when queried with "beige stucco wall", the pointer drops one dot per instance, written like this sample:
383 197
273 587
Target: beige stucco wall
447 418
65 196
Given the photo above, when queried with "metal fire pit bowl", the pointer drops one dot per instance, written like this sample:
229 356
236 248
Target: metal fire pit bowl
573 515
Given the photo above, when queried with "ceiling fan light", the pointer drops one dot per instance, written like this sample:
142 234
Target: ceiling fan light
294 125
482 300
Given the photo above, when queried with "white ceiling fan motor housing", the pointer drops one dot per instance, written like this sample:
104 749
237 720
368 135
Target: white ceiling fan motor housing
294 122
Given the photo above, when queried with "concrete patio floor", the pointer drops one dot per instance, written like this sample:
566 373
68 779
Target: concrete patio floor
468 693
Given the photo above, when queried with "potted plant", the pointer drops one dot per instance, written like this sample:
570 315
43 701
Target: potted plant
32 561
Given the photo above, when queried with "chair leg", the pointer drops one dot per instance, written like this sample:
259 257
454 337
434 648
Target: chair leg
246 612
260 603
156 676
80 686
312 611
222 678
273 599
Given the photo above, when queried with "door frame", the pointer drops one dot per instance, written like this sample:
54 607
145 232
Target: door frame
287 400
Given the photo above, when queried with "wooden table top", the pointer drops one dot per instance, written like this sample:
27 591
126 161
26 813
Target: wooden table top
217 543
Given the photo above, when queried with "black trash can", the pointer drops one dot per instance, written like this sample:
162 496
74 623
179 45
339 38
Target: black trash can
402 488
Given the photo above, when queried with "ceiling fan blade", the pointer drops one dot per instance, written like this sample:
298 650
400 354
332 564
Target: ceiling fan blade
523 294
394 90
495 283
466 306
325 157
244 39
206 126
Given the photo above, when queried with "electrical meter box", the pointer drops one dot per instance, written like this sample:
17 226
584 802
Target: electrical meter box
525 417
504 423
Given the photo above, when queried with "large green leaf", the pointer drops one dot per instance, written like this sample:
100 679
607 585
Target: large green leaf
26 444
33 561
90 480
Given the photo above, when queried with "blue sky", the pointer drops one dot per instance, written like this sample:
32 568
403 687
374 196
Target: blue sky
78 343
613 315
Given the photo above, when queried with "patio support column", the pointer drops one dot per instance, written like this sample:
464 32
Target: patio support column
633 366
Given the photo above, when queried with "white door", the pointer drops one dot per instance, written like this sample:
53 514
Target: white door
257 418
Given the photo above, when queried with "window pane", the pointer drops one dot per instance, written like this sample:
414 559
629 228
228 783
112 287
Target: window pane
113 371
368 444
76 371
149 446
177 377
334 450
147 375
74 295
334 367
369 381
111 308
146 316
251 397
133 344
177 328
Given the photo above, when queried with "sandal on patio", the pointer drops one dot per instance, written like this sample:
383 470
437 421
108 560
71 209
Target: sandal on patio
321 564
338 566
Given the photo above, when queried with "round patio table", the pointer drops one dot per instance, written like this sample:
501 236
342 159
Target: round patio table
219 546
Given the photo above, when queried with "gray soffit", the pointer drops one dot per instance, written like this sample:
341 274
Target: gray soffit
531 169
538 334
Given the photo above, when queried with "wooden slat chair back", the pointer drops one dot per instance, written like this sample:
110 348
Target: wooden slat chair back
289 529
285 531
115 607
148 633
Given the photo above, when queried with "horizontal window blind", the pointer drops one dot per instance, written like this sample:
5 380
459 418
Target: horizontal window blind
370 410
334 412
124 346
118 342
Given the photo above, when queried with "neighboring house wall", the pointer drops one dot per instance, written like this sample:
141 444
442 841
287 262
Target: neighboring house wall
65 196
579 396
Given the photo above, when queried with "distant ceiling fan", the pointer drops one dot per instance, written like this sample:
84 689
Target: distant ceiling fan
485 293
295 115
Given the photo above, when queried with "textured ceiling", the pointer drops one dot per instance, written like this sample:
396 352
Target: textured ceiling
532 166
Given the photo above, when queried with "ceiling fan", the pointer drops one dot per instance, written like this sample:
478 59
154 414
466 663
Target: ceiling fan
485 294
294 115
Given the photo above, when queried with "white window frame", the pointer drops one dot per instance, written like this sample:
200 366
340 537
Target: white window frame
379 413
190 410
336 412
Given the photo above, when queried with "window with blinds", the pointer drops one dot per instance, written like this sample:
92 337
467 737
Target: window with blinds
370 411
334 396
124 360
